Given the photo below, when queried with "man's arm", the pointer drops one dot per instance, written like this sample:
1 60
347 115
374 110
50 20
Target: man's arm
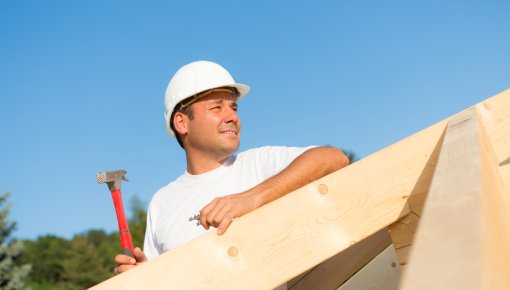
307 167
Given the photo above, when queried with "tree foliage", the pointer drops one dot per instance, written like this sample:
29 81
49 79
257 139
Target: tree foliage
84 266
138 221
46 254
107 245
85 260
12 273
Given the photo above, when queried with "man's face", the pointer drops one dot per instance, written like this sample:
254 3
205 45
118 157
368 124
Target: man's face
215 127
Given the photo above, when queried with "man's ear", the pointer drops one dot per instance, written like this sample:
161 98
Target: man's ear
181 123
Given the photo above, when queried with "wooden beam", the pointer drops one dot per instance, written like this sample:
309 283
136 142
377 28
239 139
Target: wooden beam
297 232
464 234
495 117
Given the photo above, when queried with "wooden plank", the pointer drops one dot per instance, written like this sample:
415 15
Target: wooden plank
335 271
495 116
293 234
381 273
464 232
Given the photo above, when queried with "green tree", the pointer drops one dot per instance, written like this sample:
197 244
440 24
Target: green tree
12 274
84 266
84 261
138 221
107 246
46 255
104 248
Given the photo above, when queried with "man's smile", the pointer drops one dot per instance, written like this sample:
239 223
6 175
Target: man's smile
230 131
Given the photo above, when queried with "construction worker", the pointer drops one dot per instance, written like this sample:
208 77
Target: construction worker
218 185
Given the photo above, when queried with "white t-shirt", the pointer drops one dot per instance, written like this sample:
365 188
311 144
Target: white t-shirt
168 224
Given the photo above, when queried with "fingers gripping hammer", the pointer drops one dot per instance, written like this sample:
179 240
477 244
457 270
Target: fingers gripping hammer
113 180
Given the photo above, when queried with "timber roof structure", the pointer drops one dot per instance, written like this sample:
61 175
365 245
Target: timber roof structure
439 199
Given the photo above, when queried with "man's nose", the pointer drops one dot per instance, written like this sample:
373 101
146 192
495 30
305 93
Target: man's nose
231 116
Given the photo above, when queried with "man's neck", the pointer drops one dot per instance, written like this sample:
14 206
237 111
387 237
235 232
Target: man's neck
201 163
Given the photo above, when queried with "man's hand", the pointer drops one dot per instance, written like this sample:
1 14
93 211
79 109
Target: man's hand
125 263
223 210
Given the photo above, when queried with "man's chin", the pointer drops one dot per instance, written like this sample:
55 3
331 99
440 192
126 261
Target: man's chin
231 148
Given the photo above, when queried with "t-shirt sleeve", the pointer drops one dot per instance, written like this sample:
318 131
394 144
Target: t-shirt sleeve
273 159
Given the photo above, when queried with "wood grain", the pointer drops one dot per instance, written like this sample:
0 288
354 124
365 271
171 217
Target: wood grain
495 119
464 229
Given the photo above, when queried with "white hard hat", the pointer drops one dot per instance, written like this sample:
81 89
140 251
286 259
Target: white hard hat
194 78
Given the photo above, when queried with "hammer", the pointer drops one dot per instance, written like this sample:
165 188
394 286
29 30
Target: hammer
113 180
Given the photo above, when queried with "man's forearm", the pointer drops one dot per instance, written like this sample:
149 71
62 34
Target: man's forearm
307 167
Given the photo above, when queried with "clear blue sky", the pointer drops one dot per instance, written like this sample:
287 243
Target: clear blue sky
82 85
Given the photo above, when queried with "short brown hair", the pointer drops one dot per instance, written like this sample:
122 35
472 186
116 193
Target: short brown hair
186 110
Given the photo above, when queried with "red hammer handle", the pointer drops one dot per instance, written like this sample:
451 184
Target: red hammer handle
125 236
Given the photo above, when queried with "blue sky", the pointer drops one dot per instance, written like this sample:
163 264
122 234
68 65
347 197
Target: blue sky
82 85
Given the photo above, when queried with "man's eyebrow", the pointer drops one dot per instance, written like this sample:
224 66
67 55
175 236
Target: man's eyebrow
220 101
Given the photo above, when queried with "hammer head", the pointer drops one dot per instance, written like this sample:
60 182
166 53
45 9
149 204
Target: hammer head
112 178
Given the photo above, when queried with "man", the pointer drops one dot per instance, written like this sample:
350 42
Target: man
219 186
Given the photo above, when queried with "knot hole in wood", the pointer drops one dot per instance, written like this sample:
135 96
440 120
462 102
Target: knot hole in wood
233 251
323 188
